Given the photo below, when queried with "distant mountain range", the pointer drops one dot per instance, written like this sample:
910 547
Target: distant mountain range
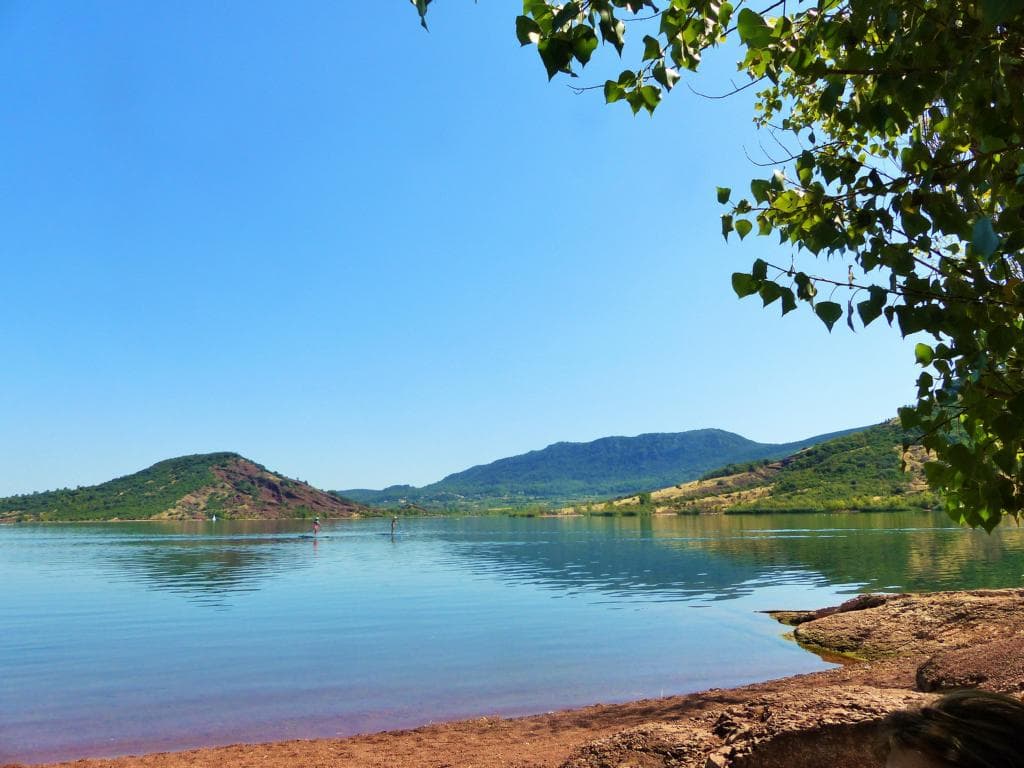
610 466
188 487
707 470
860 472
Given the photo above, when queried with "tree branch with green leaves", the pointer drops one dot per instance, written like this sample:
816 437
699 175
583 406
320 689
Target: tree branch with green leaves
908 123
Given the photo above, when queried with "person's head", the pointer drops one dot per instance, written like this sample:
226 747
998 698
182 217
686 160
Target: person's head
964 729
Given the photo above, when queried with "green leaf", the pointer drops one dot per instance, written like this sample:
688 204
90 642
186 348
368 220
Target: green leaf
556 53
754 30
635 100
991 144
421 9
667 76
584 43
613 91
830 95
871 308
913 173
829 312
759 188
787 202
744 284
925 382
725 13
914 223
651 96
788 301
908 418
568 12
652 48
769 292
613 31
527 30
984 238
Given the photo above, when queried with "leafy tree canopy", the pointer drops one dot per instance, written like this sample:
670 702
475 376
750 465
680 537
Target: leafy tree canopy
905 129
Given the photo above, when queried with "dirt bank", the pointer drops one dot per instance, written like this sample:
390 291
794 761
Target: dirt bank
908 646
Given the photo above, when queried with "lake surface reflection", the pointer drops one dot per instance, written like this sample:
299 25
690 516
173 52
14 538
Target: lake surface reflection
136 637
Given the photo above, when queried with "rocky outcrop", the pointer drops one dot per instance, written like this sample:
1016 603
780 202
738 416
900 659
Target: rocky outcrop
243 489
828 725
909 646
994 666
903 625
858 603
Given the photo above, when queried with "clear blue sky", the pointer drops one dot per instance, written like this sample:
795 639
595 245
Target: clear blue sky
362 254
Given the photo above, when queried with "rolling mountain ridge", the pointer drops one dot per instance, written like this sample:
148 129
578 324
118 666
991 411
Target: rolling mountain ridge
707 470
605 467
855 472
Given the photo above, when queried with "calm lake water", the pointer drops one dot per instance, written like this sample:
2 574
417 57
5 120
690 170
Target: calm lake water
139 637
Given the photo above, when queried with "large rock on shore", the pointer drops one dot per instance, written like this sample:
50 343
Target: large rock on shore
901 625
791 728
996 666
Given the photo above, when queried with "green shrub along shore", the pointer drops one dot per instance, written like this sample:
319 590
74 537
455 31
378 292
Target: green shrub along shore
863 470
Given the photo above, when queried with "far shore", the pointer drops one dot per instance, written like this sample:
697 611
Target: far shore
375 514
906 649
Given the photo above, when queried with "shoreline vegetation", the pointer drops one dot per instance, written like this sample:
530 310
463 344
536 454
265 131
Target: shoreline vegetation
902 650
860 471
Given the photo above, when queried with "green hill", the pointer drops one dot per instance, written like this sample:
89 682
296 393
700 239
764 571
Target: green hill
601 468
198 486
859 471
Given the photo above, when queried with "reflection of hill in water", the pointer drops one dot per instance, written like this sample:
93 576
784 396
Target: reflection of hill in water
207 565
722 557
664 558
911 551
620 557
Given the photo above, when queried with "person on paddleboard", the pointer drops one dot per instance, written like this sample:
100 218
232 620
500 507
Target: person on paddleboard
316 525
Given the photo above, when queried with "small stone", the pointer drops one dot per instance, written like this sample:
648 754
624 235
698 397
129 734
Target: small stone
717 759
